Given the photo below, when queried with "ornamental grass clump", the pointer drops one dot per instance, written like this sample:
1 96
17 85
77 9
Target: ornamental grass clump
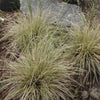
26 31
84 51
40 75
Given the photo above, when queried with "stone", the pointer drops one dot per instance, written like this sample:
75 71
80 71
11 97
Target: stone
94 93
85 94
58 13
9 5
1 19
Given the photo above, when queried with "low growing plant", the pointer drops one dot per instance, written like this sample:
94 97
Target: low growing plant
84 51
1 13
40 75
27 31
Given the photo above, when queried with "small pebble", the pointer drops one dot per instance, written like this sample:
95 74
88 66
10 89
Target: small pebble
1 19
85 94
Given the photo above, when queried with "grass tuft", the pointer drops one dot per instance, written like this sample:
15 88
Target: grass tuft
26 31
40 75
84 51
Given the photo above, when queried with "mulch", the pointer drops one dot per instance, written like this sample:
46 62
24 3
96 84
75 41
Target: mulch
9 18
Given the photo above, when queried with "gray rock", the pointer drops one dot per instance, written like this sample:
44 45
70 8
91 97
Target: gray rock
59 13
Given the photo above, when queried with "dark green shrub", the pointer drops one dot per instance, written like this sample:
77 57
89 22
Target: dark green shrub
9 5
82 3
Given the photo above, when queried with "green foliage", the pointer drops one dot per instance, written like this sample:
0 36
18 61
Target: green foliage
76 91
40 75
1 85
83 3
1 13
84 52
9 5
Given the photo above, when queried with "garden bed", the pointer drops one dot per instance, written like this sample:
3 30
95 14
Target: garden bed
10 19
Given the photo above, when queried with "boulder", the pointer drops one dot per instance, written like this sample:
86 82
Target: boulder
9 5
58 13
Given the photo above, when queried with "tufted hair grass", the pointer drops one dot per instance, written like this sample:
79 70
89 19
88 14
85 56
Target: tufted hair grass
40 75
26 31
84 51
